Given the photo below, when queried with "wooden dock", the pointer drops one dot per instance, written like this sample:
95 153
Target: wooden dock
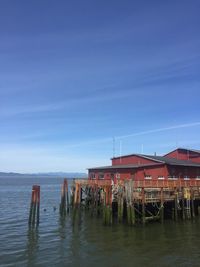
134 202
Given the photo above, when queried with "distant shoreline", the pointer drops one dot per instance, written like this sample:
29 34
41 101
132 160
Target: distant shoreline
50 174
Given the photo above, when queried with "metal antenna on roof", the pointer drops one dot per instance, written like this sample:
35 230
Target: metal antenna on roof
113 146
142 149
120 150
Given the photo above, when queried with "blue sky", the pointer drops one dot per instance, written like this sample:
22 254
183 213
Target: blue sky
75 74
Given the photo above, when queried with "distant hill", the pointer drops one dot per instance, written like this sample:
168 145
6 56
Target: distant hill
50 174
64 174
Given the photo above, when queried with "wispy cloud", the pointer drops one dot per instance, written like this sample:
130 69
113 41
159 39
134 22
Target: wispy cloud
157 130
164 129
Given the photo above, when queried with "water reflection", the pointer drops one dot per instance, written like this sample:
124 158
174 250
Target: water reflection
32 244
62 227
84 241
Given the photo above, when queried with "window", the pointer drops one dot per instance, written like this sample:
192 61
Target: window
198 177
172 177
161 177
92 175
148 177
186 177
101 175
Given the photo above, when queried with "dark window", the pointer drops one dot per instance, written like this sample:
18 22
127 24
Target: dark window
101 175
92 175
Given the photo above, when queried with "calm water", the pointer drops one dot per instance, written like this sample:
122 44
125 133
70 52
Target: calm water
87 242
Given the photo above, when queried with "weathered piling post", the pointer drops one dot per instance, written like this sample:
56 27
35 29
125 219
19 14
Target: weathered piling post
64 204
192 203
34 214
107 210
183 204
63 201
31 207
143 207
188 209
175 204
88 197
130 203
72 193
188 206
161 205
76 200
120 203
95 199
38 205
198 210
67 194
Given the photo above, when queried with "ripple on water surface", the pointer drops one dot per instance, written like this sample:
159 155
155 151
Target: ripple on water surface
87 243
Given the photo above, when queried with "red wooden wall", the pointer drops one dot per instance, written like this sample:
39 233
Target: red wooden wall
184 154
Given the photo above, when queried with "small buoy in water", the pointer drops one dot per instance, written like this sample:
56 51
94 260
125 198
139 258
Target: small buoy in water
45 210
54 208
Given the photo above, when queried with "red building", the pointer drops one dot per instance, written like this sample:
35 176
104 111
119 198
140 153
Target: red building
178 164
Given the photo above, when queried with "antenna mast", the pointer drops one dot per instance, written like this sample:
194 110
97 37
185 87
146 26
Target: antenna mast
113 146
120 150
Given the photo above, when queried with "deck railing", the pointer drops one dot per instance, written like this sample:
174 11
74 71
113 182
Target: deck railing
146 183
167 183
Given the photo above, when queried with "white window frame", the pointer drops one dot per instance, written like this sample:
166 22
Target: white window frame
101 175
148 177
173 177
92 175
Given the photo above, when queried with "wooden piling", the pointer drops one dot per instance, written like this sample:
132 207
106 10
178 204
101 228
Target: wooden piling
183 204
31 208
143 207
134 202
176 205
198 209
38 205
130 214
34 213
192 204
120 202
161 206
107 209
72 195
129 203
64 204
67 194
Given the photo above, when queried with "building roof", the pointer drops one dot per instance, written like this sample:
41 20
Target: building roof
124 166
157 161
173 161
186 149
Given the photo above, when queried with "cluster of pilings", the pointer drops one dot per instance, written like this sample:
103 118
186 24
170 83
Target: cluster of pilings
127 201
130 202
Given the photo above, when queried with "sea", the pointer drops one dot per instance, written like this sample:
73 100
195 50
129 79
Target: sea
85 241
